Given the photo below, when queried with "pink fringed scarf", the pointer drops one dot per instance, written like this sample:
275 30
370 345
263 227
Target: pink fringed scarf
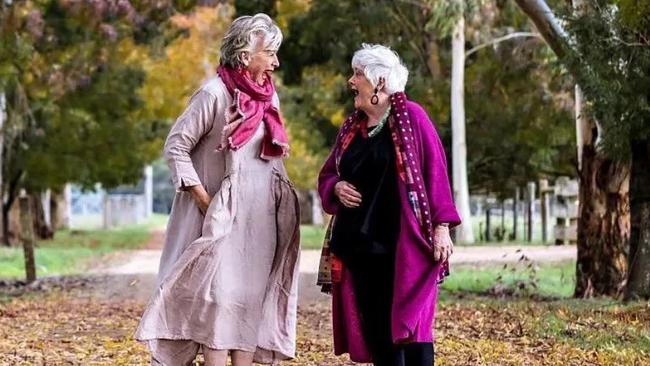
252 104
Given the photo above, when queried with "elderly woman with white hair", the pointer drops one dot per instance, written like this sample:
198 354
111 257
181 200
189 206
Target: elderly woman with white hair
388 243
228 276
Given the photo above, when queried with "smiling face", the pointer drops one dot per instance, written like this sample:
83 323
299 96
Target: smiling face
361 88
261 62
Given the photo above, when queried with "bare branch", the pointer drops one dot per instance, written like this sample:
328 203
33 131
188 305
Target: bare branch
502 39
419 4
547 24
631 44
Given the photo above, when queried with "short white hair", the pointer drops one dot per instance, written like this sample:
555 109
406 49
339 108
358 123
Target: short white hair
243 35
377 61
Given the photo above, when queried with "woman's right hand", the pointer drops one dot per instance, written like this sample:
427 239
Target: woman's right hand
347 194
201 197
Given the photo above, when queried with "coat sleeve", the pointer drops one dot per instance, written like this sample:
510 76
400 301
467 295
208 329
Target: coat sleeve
195 122
433 162
327 179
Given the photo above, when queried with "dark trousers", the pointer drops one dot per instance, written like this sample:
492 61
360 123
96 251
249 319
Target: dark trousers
373 285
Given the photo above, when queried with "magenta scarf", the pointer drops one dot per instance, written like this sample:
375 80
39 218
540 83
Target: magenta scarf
252 104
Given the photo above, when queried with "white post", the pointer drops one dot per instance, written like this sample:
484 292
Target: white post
66 220
107 212
464 232
545 200
316 208
148 190
46 197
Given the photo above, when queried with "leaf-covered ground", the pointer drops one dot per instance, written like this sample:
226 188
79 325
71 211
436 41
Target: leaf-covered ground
70 324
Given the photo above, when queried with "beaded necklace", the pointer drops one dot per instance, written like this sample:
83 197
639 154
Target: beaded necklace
381 124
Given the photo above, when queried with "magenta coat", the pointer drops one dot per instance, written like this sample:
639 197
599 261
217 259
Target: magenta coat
415 287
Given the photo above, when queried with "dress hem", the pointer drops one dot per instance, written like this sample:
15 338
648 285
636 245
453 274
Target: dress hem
278 355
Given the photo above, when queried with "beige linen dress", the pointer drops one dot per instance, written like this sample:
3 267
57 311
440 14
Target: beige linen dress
229 280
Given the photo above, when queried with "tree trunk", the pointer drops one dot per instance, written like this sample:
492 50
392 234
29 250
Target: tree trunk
42 229
464 232
27 238
5 226
604 213
638 283
3 221
604 225
60 209
546 23
433 59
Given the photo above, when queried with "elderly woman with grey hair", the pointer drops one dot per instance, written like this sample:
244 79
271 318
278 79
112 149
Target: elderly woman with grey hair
386 249
228 276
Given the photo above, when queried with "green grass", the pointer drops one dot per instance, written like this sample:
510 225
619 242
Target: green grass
49 261
596 324
520 243
102 240
71 250
311 236
548 279
591 325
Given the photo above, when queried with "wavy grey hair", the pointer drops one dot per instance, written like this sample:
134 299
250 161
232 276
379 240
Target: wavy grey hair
243 35
378 61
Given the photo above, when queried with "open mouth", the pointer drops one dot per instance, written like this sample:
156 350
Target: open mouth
355 92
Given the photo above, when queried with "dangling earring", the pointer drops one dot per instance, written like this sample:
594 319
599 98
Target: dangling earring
375 99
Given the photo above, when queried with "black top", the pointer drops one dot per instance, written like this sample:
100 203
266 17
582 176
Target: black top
372 228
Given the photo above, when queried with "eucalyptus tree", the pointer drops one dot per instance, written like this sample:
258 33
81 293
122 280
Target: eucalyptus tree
605 44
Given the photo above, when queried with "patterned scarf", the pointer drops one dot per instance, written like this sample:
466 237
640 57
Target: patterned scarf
408 169
252 104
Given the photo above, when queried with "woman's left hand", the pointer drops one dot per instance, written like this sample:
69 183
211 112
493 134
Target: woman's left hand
443 247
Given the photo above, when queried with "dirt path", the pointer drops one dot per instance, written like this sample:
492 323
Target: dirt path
134 272
146 260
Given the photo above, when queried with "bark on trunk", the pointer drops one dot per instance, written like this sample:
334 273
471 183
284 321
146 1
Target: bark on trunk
638 283
41 228
5 226
433 59
3 115
604 225
60 216
27 238
7 234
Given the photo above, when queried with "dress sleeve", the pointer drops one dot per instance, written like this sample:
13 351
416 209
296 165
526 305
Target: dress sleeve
433 163
327 179
195 122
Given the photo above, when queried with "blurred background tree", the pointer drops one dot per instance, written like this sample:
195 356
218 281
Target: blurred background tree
71 93
510 140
